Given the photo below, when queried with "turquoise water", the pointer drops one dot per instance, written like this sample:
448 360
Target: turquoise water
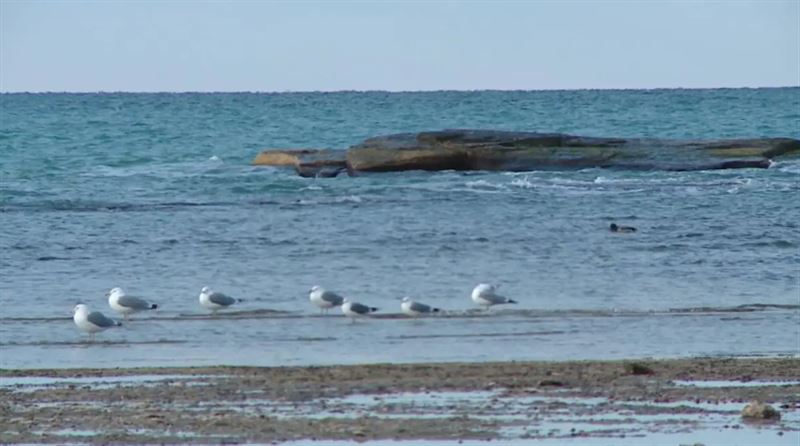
154 193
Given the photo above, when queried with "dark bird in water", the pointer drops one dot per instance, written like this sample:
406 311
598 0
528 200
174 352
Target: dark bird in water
617 228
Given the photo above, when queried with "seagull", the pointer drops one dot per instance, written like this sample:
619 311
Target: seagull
355 310
324 299
125 305
91 322
414 309
215 301
486 295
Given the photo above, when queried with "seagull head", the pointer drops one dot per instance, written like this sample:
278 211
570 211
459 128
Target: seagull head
406 299
206 290
116 291
345 301
80 307
314 288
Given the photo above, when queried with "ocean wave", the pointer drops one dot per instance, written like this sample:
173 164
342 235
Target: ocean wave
772 244
99 343
160 170
790 166
345 199
485 185
523 183
621 185
100 206
54 258
348 199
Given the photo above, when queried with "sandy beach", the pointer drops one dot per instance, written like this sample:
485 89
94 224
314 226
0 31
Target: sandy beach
510 401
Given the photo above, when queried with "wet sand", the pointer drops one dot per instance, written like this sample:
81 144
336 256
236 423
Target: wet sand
441 401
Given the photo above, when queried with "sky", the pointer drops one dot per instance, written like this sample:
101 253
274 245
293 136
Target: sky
88 46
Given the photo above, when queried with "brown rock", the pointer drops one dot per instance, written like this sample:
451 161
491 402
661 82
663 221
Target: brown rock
520 151
307 162
274 157
496 150
760 411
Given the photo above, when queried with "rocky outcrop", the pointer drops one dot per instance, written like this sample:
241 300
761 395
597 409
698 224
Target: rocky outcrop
306 162
522 151
756 410
280 157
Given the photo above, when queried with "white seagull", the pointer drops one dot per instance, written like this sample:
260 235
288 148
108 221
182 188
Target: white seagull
414 309
91 322
486 295
355 310
324 299
125 305
215 301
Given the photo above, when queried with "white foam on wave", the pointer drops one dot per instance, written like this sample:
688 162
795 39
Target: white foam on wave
786 166
483 184
173 169
349 199
335 200
742 184
601 180
523 183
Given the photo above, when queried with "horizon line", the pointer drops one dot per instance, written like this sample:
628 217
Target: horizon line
388 91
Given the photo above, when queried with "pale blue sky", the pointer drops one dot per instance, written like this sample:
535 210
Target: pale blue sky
305 46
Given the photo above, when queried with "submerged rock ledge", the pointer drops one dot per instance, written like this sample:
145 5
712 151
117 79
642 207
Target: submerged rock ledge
495 150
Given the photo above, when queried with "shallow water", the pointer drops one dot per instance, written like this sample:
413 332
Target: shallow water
309 340
708 437
154 193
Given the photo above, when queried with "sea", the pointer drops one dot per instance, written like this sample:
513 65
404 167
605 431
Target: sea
156 193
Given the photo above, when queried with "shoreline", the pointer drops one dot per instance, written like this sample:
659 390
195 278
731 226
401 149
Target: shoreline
507 401
724 367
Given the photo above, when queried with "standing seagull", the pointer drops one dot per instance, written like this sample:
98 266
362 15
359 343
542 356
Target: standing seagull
120 302
215 301
91 322
324 299
486 295
415 309
355 310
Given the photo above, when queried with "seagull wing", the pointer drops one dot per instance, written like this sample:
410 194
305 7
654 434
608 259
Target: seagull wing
221 299
99 319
